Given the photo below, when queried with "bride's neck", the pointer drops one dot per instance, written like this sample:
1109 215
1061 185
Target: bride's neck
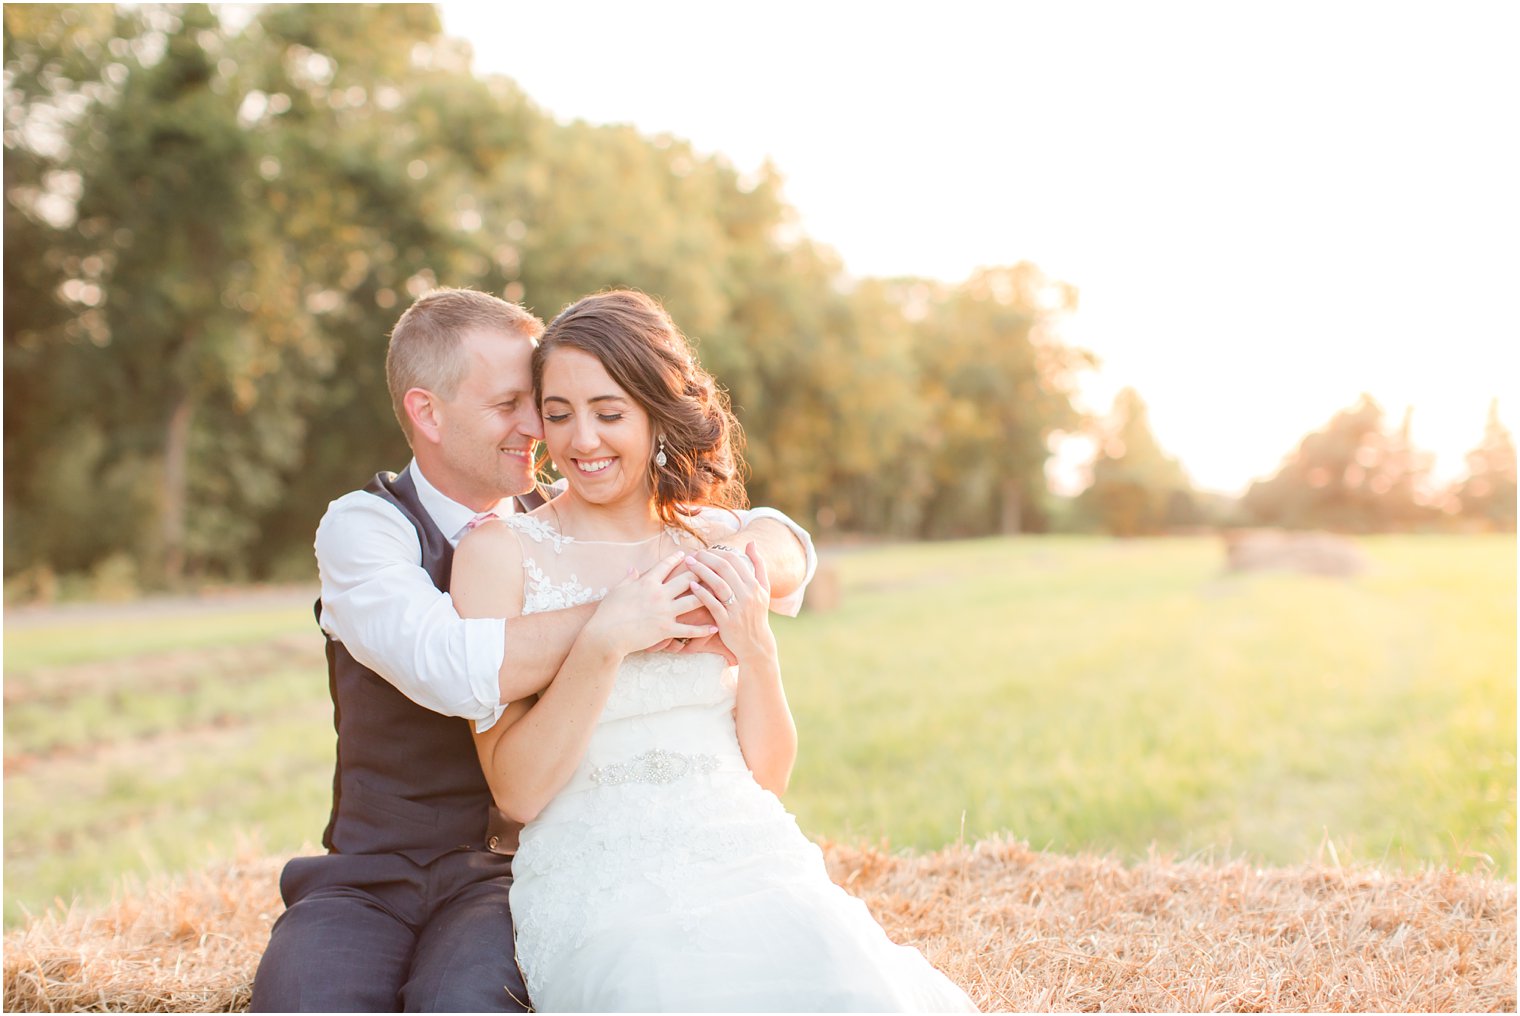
586 521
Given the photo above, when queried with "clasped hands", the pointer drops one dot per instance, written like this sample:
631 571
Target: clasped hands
722 574
717 600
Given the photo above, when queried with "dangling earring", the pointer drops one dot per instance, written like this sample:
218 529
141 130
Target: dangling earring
659 456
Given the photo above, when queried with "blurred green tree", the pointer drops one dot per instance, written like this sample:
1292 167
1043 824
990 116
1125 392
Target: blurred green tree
382 150
997 383
1487 493
1137 489
1403 498
69 500
1351 476
868 418
165 178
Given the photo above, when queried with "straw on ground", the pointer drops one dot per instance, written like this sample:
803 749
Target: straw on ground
1019 929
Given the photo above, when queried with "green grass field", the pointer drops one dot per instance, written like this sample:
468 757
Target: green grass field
1080 693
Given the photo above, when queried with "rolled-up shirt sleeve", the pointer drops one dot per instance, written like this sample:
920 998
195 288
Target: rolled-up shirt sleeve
791 604
379 602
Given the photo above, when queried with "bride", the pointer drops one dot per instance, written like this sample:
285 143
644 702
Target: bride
658 870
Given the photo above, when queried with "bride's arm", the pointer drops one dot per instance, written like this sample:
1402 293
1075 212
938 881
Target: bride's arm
536 744
767 735
529 754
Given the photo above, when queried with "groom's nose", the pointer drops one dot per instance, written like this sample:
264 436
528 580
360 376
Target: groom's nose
532 425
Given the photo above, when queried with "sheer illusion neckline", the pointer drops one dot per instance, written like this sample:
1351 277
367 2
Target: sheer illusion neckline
667 531
559 534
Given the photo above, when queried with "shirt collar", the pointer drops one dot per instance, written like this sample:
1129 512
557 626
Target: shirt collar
449 515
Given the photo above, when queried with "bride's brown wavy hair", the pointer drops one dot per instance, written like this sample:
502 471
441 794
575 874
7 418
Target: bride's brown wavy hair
640 347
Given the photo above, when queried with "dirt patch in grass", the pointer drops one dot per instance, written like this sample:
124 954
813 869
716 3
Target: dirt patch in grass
181 670
1019 929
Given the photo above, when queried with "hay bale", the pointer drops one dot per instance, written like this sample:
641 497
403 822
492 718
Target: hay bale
1024 930
826 589
1018 929
1313 553
187 944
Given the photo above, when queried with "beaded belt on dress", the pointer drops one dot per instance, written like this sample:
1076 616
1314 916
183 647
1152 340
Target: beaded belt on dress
654 766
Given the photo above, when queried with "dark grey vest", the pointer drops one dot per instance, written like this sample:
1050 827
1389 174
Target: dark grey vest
408 779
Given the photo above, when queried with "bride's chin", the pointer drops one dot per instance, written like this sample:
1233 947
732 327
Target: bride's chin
604 498
585 496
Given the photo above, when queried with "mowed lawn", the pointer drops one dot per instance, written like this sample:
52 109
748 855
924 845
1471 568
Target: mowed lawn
1079 693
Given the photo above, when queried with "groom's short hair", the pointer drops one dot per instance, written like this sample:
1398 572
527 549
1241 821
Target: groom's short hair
425 346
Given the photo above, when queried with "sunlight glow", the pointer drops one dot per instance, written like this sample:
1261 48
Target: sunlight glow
1267 211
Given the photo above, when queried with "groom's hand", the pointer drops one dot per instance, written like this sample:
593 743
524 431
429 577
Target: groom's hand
708 643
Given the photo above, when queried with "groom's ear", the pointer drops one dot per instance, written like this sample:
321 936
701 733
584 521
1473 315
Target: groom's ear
421 408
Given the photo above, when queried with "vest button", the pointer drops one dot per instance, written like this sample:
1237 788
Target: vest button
494 842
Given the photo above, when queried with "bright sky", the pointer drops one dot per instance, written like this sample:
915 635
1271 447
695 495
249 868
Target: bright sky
1267 208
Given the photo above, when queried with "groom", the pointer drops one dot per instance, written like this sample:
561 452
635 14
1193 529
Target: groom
408 908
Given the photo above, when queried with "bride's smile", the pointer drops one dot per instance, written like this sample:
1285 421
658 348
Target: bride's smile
600 437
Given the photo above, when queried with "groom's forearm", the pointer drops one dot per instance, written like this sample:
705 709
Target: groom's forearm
785 560
536 647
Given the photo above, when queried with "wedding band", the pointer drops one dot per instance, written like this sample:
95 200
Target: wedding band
683 641
731 598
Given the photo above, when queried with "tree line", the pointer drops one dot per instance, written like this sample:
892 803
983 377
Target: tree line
211 228
1356 474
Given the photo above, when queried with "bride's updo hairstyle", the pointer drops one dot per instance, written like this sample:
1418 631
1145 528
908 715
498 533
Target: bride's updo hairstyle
640 347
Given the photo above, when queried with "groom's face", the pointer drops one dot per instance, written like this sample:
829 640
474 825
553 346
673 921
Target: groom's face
488 430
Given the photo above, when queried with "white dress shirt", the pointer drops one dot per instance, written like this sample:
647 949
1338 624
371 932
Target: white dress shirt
379 602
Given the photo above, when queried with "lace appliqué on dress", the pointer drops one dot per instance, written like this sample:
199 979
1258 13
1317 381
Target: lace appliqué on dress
540 591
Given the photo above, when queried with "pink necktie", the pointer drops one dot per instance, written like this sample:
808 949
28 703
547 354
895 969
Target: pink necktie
482 517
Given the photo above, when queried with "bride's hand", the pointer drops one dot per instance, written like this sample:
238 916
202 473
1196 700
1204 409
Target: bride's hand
643 609
736 590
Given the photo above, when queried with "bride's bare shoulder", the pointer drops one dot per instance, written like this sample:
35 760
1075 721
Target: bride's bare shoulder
494 542
479 583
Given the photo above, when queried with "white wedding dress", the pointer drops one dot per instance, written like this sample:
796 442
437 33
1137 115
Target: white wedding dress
662 877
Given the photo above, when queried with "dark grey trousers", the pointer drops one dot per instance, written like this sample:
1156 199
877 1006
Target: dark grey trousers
378 933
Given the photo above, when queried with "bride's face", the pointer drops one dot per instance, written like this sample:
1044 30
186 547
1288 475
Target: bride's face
594 431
